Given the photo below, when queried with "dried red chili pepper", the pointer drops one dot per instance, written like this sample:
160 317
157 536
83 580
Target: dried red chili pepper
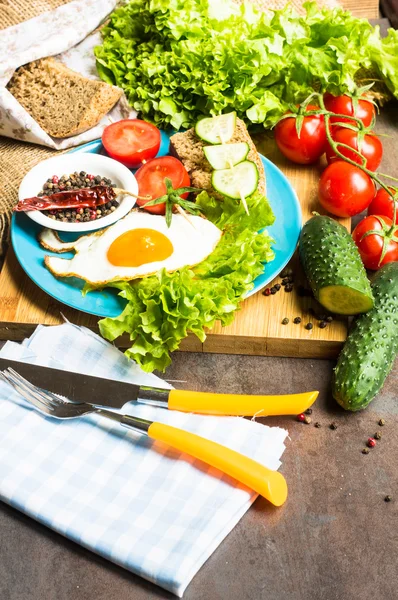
84 198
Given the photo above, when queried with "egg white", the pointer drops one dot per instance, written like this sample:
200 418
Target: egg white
192 243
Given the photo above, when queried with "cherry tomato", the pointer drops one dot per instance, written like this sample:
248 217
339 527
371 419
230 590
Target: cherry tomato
343 106
151 176
371 246
371 148
345 190
383 204
131 141
307 148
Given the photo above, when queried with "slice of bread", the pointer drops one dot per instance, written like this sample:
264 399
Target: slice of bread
188 148
63 102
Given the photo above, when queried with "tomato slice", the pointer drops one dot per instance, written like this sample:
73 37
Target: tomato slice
151 176
131 141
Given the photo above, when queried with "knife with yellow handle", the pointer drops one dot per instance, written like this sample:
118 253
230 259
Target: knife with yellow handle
266 482
99 391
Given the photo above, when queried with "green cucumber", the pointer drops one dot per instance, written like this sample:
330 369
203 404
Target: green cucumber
371 347
225 156
217 130
240 181
334 267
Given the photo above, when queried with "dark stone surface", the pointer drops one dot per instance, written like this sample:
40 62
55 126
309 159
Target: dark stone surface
335 538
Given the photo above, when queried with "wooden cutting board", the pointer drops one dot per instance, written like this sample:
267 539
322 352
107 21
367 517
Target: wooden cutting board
257 328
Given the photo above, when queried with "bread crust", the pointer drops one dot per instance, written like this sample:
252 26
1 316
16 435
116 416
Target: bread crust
63 102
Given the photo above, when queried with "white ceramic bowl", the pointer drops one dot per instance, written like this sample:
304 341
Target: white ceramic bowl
95 164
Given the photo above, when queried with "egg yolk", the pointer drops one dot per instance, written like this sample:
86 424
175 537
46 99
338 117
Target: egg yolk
138 247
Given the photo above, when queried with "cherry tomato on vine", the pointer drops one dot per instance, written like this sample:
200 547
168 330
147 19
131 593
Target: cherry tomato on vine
307 148
345 190
371 246
383 204
371 147
343 106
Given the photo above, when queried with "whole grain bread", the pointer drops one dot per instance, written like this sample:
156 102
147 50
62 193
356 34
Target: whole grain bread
63 102
188 148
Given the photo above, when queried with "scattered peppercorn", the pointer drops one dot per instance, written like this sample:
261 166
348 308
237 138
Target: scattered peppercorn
388 498
284 282
301 417
285 321
309 326
308 411
322 324
317 425
288 287
365 451
307 420
371 443
321 317
382 422
377 435
329 319
267 292
277 286
297 320
287 272
333 425
273 290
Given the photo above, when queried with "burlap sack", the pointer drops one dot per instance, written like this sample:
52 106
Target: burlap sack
17 158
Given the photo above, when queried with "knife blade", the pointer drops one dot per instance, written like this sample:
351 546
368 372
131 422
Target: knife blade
77 387
109 393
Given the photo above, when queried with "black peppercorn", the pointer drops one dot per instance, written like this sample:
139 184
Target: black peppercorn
377 435
285 321
273 291
333 426
288 287
382 422
317 425
322 324
308 411
297 320
309 326
388 498
329 319
365 451
277 286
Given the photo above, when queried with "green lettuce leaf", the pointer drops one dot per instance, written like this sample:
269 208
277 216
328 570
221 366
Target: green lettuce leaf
162 309
178 60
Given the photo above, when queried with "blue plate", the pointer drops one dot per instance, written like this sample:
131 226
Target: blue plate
30 254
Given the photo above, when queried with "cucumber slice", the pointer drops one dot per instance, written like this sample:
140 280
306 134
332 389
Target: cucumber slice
217 130
226 156
239 182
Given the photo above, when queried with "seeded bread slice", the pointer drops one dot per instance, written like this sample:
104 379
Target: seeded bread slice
188 148
63 102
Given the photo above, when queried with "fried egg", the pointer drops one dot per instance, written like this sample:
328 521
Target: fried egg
138 245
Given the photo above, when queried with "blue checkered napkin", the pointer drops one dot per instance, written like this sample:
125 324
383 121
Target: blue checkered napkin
142 505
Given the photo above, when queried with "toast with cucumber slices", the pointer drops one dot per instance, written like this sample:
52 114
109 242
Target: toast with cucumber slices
220 157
